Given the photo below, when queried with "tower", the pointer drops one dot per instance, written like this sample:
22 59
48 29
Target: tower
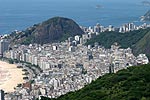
3 46
111 68
2 95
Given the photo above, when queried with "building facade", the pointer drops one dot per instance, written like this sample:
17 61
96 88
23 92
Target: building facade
2 95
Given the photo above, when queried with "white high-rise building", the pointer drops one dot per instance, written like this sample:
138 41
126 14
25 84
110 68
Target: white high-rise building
2 95
111 28
97 28
3 46
55 48
77 38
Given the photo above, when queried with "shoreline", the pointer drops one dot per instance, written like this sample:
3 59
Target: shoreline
10 76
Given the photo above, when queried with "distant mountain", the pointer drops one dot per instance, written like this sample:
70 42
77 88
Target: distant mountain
146 17
138 40
53 30
132 83
146 3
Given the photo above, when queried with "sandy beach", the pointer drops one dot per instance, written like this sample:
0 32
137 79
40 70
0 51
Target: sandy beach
10 76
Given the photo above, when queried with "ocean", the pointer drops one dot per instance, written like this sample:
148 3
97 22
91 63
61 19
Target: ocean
21 14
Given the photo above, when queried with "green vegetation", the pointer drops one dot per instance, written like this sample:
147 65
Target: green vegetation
138 40
27 41
132 83
10 61
126 40
65 37
53 30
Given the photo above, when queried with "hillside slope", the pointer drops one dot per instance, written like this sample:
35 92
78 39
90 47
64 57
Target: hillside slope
143 45
130 84
138 40
53 30
146 17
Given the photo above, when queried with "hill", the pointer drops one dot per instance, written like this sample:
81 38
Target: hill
146 17
146 3
53 30
143 45
137 40
132 83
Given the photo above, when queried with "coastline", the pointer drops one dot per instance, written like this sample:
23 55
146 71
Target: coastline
10 76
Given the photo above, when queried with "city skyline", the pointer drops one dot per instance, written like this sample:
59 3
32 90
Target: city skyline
57 48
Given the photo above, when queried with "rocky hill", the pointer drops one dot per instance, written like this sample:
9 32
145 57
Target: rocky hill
53 30
146 17
132 83
146 3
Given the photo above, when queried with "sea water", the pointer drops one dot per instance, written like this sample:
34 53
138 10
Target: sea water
20 14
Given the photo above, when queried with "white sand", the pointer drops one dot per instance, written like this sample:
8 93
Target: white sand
10 76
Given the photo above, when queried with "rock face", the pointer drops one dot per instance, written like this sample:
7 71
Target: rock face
146 17
53 30
56 29
146 3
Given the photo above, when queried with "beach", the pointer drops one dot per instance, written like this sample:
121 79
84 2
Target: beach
10 76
